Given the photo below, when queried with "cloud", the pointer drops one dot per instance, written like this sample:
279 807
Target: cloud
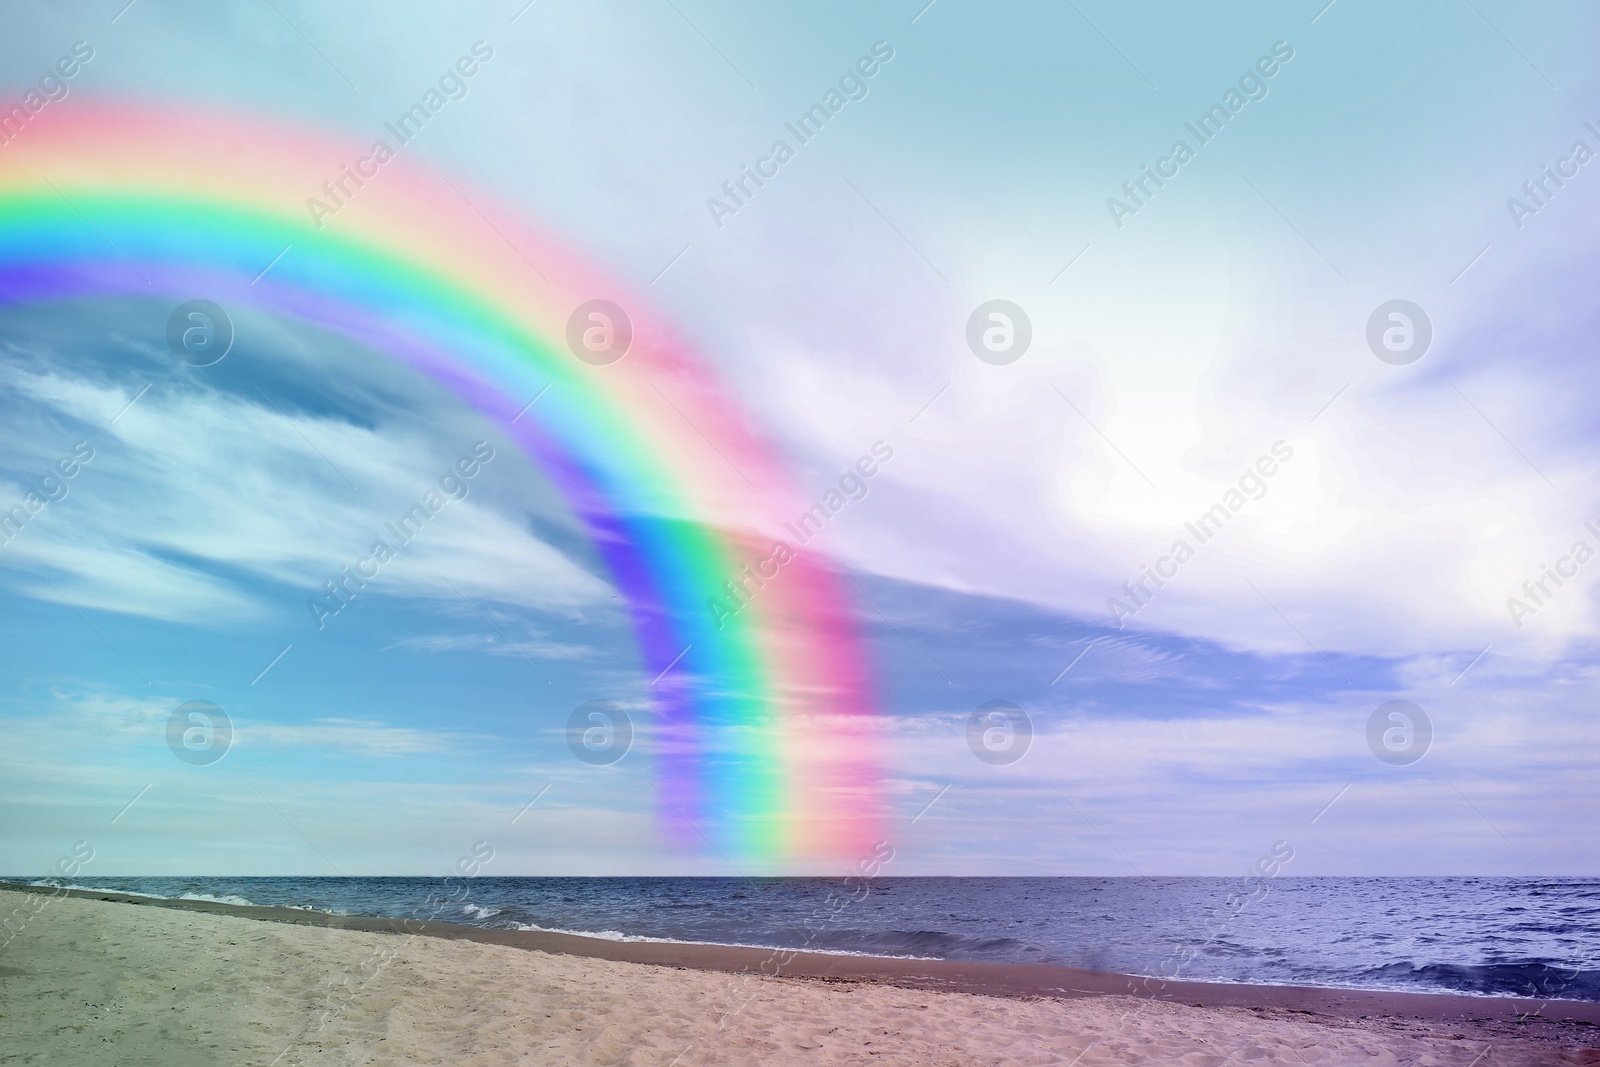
197 502
530 643
346 735
1401 525
116 722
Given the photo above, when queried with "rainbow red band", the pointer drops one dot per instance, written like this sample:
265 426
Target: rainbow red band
764 724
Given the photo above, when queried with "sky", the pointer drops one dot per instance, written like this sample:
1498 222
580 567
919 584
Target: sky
1186 339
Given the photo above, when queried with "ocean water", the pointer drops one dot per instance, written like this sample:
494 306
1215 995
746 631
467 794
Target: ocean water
1507 936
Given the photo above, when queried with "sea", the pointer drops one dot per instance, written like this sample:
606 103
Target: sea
1534 937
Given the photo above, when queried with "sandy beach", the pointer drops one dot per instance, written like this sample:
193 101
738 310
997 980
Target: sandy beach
98 979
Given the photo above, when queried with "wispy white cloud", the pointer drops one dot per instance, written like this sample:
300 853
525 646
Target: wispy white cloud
532 643
346 735
191 491
117 721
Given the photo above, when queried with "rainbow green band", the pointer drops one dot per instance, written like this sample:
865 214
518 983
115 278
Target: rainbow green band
763 720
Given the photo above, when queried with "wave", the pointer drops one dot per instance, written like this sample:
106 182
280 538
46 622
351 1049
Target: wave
922 944
56 883
894 944
229 899
603 935
225 898
1538 979
1336 937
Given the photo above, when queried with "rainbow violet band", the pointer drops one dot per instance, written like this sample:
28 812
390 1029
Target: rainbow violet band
763 722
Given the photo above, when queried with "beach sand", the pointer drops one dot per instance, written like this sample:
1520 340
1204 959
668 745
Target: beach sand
93 980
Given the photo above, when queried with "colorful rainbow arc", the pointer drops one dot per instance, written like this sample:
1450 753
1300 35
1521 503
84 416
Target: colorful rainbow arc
765 722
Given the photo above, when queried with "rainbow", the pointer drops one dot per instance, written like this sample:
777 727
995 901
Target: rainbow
763 721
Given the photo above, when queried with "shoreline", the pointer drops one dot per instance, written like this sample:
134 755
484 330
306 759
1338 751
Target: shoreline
980 977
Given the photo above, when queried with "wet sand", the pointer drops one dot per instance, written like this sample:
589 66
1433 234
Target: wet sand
97 977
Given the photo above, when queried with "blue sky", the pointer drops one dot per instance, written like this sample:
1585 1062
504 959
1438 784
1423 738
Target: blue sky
1169 355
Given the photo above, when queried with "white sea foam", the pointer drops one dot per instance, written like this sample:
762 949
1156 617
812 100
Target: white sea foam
229 899
616 935
225 898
